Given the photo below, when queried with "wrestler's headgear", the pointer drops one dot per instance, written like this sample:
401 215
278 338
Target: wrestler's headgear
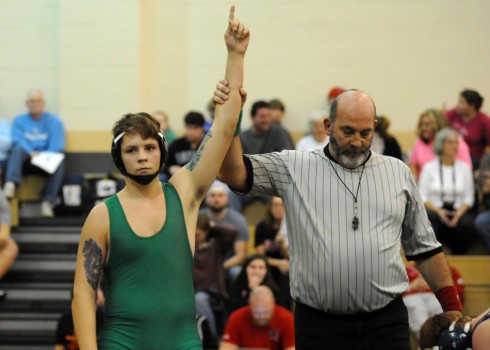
455 337
148 127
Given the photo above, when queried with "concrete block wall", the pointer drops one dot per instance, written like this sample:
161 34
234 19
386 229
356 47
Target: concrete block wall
99 59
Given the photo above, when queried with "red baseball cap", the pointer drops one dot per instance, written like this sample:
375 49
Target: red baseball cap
335 91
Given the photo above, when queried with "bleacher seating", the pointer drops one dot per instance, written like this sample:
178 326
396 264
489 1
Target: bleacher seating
77 163
39 283
476 275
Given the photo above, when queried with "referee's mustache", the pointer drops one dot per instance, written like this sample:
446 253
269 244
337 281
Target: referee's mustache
356 151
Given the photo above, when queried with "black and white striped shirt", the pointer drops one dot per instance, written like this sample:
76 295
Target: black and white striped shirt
335 268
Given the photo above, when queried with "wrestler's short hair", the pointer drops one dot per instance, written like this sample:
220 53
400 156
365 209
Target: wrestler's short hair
142 124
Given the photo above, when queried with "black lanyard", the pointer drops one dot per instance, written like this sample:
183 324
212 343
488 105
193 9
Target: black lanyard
442 181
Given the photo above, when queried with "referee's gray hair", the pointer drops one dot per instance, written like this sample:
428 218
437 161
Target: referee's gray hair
441 137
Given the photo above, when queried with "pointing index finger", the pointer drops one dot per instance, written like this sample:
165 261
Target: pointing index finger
232 13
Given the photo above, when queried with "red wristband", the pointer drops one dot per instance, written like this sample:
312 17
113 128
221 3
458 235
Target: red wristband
449 299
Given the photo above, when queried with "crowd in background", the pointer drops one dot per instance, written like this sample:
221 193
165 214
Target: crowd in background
241 288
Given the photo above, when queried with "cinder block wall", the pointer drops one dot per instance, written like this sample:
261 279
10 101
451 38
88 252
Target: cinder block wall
99 59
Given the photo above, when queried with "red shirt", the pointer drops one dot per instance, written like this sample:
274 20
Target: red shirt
279 334
413 273
475 132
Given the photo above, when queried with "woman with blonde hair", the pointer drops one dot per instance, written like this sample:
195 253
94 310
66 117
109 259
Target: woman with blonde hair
430 122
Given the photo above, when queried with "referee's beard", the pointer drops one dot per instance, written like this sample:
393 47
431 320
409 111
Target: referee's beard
349 157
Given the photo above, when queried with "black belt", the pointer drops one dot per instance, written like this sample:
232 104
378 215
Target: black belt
396 303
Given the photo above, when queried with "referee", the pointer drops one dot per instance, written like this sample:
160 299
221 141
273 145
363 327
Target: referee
348 212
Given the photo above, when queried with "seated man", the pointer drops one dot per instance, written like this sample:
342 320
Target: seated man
218 213
317 138
264 136
212 243
278 112
183 149
34 132
5 143
8 248
261 325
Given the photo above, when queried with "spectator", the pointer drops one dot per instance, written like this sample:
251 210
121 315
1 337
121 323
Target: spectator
264 136
383 141
66 338
183 149
472 124
162 118
446 187
421 302
218 213
255 272
208 272
8 248
34 132
5 143
278 112
267 243
261 325
318 137
482 221
430 122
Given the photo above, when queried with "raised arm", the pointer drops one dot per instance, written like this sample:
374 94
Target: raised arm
193 181
92 253
233 171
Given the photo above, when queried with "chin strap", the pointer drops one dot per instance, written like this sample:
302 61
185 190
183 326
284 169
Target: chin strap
143 179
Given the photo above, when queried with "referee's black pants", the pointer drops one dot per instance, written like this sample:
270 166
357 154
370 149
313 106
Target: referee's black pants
384 329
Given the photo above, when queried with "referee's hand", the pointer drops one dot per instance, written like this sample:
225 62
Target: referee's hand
222 91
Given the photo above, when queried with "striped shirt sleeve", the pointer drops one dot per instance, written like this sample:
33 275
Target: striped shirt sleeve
270 173
418 238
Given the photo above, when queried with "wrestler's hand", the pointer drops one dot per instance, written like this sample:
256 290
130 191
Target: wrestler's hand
432 329
221 93
435 325
237 35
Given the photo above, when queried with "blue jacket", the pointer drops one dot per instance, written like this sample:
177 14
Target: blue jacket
5 138
44 134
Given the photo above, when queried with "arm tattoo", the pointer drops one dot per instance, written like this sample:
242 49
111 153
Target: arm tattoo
93 262
192 164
